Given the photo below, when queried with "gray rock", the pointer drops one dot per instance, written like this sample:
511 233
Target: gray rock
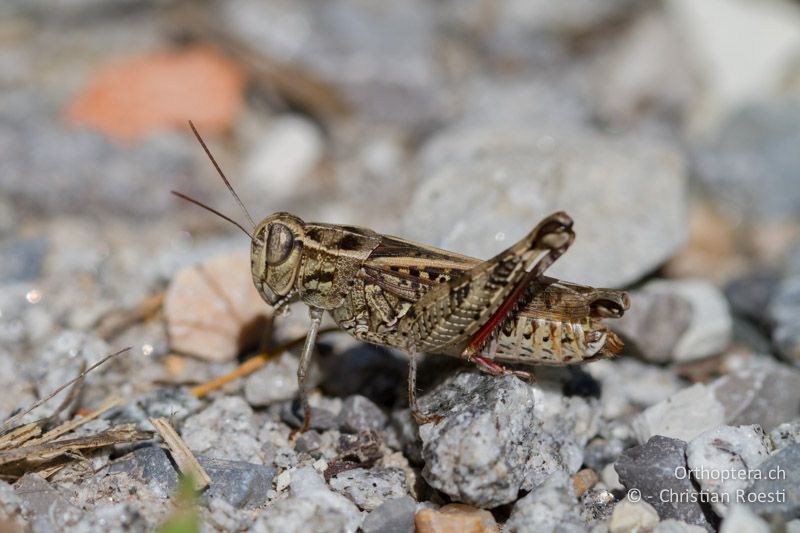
241 484
500 435
785 434
551 506
321 419
742 520
510 178
311 507
115 517
750 295
676 526
479 453
763 392
274 382
360 414
751 167
60 361
631 515
308 442
225 517
775 490
723 458
683 415
651 468
392 516
370 488
175 404
679 320
43 505
226 430
11 507
22 259
784 313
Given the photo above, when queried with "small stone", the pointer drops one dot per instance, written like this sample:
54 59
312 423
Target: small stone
749 295
43 505
741 519
360 414
508 181
175 404
651 469
321 419
240 484
224 430
549 507
723 458
631 516
370 488
683 415
455 518
308 442
676 526
282 158
763 392
610 478
783 312
707 332
274 382
213 311
785 434
775 490
479 452
127 100
22 259
311 507
584 480
392 516
11 509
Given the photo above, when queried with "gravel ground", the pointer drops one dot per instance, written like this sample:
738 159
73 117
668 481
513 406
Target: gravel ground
669 130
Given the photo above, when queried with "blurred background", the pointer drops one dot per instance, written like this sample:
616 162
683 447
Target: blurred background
669 130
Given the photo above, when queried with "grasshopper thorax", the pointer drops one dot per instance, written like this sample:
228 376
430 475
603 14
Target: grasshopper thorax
276 252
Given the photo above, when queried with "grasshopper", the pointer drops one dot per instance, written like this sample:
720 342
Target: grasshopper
389 291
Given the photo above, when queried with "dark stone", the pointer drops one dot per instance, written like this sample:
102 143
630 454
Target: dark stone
321 419
308 442
22 259
360 414
393 516
780 482
43 505
241 484
364 369
749 295
651 469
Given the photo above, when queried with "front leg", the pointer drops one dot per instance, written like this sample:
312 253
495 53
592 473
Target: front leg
453 312
305 362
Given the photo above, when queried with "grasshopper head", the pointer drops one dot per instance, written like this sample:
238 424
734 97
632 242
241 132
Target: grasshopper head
276 250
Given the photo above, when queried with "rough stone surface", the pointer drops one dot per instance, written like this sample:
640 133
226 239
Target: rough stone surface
455 517
370 488
678 320
683 415
763 392
741 519
632 516
240 484
360 414
723 458
509 179
225 430
310 507
395 515
479 452
650 468
783 312
785 434
213 309
553 505
44 506
274 382
777 496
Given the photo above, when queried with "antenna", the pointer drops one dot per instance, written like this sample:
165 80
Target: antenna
207 208
221 175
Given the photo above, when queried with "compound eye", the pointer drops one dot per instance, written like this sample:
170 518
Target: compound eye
279 244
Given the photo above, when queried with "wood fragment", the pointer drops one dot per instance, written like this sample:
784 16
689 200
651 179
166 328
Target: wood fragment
20 435
14 419
186 461
70 425
250 366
